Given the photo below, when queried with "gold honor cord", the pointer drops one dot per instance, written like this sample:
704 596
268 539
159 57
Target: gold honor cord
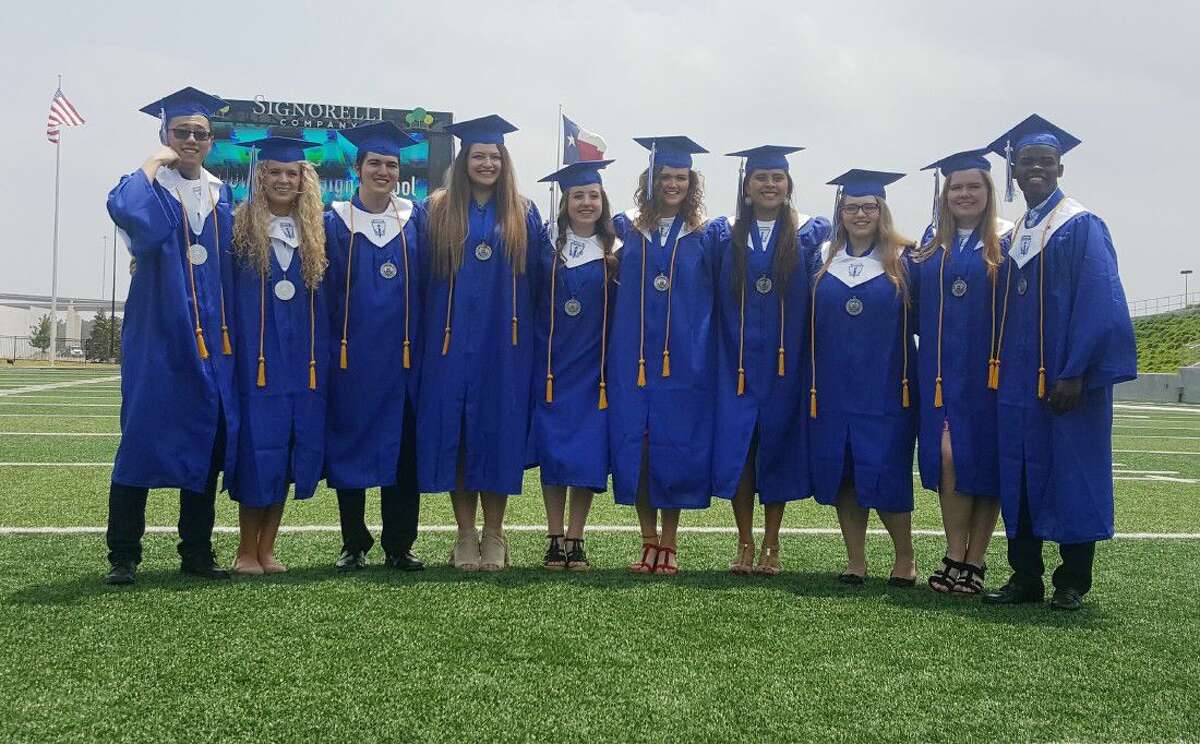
201 347
641 375
994 372
812 348
937 381
342 361
407 359
603 404
904 401
262 325
741 380
550 340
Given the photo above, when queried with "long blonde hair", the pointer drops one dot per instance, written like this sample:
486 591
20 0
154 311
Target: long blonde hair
252 217
692 209
889 243
947 227
448 215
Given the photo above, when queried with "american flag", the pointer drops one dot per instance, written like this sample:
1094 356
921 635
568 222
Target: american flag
62 114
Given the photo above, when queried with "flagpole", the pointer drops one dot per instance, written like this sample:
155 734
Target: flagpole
558 130
54 253
112 314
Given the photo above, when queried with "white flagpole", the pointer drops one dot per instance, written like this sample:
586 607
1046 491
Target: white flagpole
552 215
54 253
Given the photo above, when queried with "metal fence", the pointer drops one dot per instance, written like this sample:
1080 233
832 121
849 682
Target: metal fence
18 347
1157 305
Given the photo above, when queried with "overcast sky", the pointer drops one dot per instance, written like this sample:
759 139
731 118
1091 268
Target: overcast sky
879 85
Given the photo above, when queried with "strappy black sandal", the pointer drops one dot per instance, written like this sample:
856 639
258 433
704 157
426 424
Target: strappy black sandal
970 579
576 557
941 581
556 559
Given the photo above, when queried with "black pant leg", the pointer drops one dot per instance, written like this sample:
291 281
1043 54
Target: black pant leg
1025 550
352 514
126 523
198 514
1076 569
400 505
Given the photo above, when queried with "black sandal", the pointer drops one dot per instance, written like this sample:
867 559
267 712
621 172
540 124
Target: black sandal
940 580
970 579
576 557
556 559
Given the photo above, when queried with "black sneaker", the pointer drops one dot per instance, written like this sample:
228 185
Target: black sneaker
351 560
120 574
204 566
405 561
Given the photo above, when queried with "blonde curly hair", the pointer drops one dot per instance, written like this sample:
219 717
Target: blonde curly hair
252 217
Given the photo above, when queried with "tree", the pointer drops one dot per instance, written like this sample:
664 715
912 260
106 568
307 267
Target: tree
39 334
105 341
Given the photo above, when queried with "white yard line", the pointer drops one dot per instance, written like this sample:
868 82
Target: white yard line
58 385
1173 409
56 464
60 405
1154 452
1154 436
60 433
60 415
34 400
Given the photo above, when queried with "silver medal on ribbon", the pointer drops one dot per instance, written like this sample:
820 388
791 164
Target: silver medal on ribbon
959 287
572 307
285 290
388 270
1022 286
483 251
764 284
662 283
197 254
854 306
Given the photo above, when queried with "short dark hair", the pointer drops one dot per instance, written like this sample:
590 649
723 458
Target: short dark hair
362 155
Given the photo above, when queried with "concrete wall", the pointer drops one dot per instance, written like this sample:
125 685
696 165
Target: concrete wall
1162 387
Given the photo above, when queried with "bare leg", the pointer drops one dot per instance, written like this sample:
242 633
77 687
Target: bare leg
899 527
581 504
669 539
269 529
555 499
956 508
494 505
493 547
647 517
465 555
743 517
774 520
983 522
852 519
249 525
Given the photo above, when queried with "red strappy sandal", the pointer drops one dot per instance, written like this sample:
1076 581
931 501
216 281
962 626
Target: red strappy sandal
649 559
662 563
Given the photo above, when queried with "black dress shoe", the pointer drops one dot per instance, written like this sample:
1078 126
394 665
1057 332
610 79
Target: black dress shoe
203 566
120 574
1016 593
351 560
405 561
1066 599
901 581
852 579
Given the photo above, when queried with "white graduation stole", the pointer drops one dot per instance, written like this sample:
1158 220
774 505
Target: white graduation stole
632 214
285 239
1028 241
197 205
579 251
852 270
380 229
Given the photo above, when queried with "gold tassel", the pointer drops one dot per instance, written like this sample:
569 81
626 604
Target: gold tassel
781 368
603 397
991 377
407 358
904 401
262 372
446 342
641 373
203 348
549 388
741 388
812 402
937 393
514 330
1041 382
666 363
996 376
226 347
312 374
342 361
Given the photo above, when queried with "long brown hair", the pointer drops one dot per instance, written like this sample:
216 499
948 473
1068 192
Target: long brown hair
947 227
692 209
787 253
448 215
605 232
252 217
890 244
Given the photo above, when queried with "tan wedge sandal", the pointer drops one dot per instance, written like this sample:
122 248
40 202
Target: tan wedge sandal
768 561
465 555
743 563
493 552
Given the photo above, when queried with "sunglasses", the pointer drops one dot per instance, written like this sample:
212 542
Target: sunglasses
182 134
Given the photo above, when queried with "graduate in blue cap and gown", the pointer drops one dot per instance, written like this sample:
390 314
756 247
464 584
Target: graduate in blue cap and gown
174 217
955 280
570 422
1065 340
374 287
486 243
281 333
861 378
760 442
662 357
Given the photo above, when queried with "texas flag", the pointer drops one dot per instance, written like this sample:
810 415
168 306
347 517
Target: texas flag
580 144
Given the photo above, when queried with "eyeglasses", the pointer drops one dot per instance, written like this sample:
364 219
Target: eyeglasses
852 209
183 133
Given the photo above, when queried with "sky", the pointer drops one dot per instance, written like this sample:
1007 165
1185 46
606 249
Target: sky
879 85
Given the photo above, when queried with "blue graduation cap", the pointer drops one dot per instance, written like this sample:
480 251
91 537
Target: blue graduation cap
486 130
579 173
959 161
857 182
674 152
186 102
380 137
765 157
280 149
1034 130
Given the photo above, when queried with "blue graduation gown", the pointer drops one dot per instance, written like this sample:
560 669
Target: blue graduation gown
776 407
570 435
1066 460
478 394
859 363
968 404
676 413
365 419
161 368
282 434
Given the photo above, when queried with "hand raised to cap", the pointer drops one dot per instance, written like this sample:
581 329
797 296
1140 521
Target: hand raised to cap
163 156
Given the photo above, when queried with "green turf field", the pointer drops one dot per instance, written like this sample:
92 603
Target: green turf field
526 655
